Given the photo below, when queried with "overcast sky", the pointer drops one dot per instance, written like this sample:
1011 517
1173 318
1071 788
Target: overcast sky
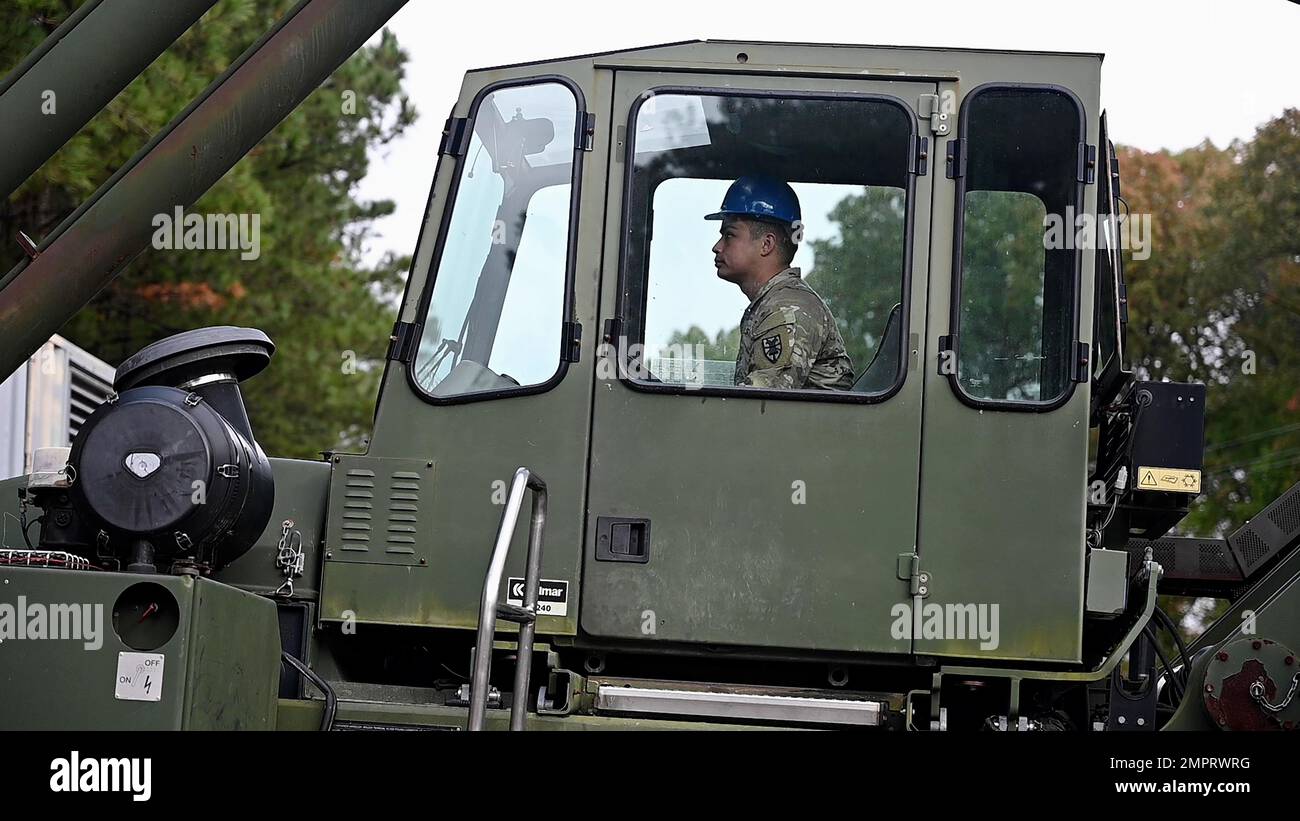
1176 72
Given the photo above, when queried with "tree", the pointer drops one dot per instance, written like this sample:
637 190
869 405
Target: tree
328 313
1217 303
860 272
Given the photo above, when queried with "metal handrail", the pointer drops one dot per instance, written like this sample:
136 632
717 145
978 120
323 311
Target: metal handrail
526 616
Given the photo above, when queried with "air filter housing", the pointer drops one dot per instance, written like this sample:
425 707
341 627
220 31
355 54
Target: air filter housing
167 475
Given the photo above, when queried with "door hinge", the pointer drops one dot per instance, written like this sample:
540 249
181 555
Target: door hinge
586 136
1082 363
929 106
1087 164
613 328
455 137
956 158
947 353
402 340
921 156
572 336
909 570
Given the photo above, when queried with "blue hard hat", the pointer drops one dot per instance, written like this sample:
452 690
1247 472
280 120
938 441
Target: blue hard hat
760 197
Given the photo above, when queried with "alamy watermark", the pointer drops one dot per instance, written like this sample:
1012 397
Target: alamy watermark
26 621
679 363
946 622
1131 232
77 774
180 231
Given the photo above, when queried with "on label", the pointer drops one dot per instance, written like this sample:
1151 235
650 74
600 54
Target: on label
139 677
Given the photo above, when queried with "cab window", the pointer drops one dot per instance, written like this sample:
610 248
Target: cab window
1015 311
846 158
496 313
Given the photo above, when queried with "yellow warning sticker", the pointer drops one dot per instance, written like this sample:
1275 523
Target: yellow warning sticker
1174 480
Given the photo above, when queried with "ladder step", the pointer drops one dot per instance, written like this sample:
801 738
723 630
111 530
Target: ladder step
515 613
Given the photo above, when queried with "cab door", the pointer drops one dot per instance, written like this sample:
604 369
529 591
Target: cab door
1005 434
742 516
491 369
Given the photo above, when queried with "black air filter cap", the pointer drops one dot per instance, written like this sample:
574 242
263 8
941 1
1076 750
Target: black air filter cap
240 352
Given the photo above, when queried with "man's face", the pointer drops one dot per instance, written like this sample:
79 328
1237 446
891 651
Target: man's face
737 255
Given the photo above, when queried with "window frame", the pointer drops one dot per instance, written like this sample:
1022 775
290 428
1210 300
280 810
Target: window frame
453 192
958 242
626 274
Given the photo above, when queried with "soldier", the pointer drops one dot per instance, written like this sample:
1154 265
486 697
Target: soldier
788 337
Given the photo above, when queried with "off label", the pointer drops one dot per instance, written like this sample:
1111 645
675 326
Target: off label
139 677
552 596
1174 480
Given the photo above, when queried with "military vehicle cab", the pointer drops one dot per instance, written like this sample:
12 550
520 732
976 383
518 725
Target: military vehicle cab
920 550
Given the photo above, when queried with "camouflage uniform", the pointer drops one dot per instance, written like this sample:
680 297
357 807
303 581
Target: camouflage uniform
788 339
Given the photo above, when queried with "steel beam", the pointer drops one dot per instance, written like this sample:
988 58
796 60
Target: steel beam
78 70
88 249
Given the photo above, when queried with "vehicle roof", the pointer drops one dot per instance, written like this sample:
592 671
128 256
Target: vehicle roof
692 49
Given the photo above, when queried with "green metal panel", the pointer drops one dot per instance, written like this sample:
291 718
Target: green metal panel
221 666
732 559
301 488
1003 493
377 513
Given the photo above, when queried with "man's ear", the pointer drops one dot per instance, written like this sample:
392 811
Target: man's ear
769 245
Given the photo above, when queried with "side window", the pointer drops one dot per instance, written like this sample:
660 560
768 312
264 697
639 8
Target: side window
1015 312
1105 305
496 313
842 163
1110 319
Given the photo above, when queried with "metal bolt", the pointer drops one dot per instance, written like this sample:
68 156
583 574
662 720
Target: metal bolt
424 561
1255 645
1122 720
1222 656
922 590
1209 688
1142 722
1289 660
329 554
1223 721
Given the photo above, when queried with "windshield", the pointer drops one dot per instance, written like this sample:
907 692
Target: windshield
496 314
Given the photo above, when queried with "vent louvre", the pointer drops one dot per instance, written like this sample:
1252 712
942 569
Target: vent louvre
357 516
378 511
403 502
86 393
